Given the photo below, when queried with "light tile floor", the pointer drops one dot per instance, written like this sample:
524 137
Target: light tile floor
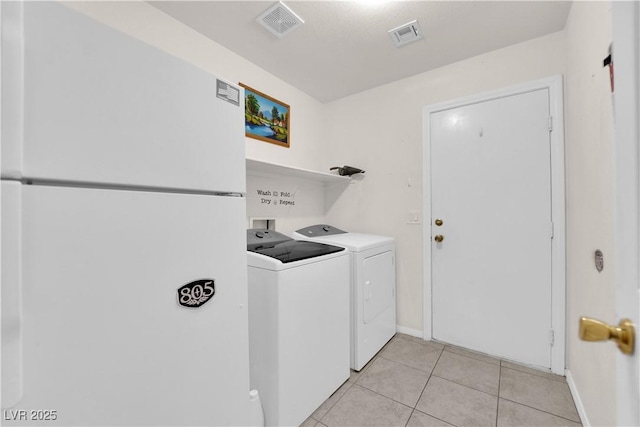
412 382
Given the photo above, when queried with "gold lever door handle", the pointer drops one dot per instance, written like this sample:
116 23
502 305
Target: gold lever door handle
595 330
438 238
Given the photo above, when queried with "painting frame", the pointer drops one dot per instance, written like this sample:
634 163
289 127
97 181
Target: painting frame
259 109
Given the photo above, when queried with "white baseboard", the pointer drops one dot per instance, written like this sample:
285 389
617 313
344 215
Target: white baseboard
408 331
576 398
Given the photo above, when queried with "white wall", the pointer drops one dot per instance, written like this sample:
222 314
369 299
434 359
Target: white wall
380 131
590 223
143 21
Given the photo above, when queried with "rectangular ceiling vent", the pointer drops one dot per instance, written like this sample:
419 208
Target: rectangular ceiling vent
279 19
405 34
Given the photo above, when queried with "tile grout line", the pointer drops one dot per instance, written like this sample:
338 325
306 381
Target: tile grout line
424 388
499 364
409 366
538 409
413 410
368 365
467 386
410 415
535 372
334 403
362 372
475 358
429 379
541 410
381 395
429 415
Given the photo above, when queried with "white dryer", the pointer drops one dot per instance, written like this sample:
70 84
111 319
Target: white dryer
298 323
373 287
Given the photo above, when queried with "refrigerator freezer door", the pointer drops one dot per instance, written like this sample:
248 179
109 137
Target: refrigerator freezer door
106 341
99 106
11 125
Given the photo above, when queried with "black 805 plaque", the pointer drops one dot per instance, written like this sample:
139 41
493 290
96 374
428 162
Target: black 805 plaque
196 293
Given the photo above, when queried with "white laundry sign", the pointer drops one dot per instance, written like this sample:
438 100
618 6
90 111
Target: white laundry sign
276 197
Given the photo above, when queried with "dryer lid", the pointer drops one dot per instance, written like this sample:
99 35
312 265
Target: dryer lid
319 230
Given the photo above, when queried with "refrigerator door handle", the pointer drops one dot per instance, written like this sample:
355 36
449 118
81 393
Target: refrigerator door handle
11 293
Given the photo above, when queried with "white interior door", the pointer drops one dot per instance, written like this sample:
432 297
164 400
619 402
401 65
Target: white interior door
491 187
626 54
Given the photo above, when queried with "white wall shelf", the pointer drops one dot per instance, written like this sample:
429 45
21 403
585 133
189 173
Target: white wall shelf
260 167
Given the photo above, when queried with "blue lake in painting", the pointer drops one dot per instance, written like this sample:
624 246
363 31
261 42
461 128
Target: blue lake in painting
265 131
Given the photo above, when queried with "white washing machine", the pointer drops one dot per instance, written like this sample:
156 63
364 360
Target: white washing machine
298 323
373 287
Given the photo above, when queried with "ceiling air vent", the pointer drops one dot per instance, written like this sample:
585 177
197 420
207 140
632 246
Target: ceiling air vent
279 19
406 33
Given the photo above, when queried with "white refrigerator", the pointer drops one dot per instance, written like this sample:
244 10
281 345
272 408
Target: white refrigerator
124 276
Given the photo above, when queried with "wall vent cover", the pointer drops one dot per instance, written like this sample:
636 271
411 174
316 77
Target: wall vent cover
228 93
407 33
279 19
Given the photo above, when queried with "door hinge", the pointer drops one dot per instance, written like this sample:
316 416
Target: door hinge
552 337
550 123
551 229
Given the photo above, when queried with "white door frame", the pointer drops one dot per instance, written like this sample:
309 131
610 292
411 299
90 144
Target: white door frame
626 54
558 285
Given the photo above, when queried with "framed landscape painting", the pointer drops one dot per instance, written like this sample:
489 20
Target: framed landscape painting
266 118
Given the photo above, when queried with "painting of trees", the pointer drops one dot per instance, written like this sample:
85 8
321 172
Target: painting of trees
266 118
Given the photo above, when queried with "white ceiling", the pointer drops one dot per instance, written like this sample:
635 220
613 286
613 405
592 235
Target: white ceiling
343 47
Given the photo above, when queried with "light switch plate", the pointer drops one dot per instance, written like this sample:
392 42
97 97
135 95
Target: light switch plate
413 217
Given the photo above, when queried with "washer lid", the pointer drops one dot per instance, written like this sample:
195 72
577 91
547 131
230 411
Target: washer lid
285 249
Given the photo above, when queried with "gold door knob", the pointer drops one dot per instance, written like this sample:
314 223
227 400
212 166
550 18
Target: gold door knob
438 238
439 222
595 330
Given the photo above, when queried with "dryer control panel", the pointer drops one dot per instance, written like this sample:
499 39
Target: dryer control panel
260 237
320 230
